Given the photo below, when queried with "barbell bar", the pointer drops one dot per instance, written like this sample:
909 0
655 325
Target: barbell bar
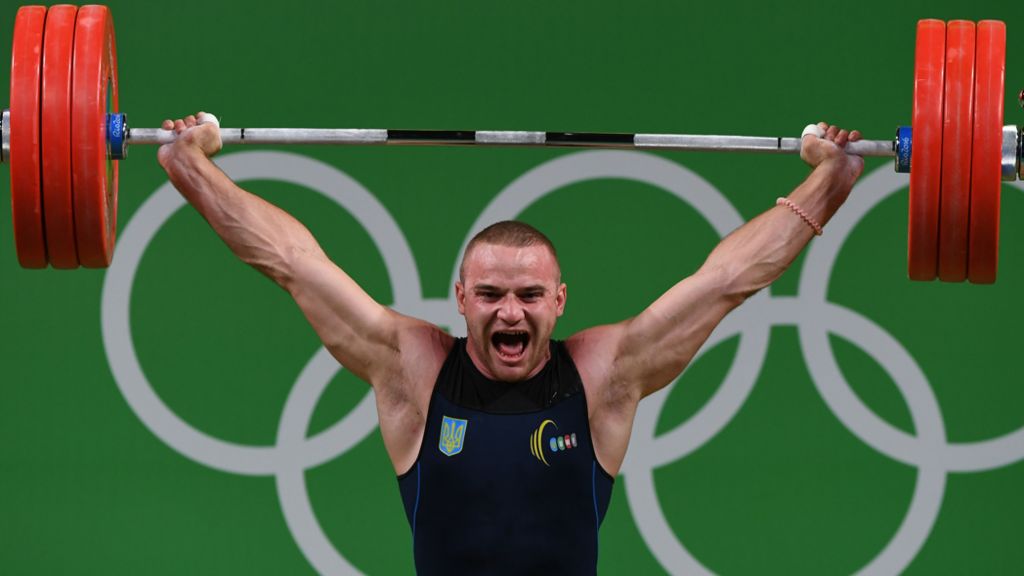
331 136
64 137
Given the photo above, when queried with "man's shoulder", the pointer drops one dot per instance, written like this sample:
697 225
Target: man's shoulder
595 339
420 348
594 351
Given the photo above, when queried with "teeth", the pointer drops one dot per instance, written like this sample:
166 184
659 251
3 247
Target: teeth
510 344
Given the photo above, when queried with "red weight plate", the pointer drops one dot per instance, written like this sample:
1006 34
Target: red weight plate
93 96
26 193
926 154
58 47
957 137
989 74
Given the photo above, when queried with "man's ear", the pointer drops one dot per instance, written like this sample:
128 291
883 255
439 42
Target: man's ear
560 296
460 297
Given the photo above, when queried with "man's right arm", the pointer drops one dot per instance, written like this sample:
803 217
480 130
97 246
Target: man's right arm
362 334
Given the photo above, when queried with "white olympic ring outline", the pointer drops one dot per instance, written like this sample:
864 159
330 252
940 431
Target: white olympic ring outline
810 311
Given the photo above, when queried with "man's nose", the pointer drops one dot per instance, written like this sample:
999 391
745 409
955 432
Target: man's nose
510 310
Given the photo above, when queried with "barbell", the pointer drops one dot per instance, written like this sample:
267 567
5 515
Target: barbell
64 137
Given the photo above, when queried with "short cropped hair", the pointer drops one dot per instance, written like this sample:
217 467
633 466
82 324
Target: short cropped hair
510 233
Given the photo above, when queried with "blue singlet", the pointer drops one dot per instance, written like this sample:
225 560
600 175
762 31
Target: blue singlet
506 481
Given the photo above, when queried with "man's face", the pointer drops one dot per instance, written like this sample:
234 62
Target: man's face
511 298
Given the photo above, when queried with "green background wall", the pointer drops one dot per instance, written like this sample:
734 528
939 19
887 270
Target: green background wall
87 486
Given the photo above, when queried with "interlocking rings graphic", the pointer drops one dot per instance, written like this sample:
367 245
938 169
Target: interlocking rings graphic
812 314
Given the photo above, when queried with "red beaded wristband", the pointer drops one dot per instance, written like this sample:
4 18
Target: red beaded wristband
800 212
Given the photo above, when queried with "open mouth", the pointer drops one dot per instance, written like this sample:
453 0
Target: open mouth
510 344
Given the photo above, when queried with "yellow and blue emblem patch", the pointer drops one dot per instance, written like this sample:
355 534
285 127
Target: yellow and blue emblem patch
453 433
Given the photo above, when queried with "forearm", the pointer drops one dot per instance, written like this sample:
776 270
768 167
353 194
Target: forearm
756 254
258 232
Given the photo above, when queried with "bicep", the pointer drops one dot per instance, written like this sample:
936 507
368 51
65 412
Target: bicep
656 346
361 333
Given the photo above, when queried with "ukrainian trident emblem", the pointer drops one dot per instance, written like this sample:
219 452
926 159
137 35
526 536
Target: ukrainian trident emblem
453 431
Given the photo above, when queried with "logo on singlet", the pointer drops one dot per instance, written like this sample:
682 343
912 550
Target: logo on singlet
557 443
453 432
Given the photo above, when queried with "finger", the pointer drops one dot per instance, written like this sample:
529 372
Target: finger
842 137
831 133
179 126
824 128
167 125
190 120
855 135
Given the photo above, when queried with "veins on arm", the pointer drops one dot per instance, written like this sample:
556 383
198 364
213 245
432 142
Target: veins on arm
658 344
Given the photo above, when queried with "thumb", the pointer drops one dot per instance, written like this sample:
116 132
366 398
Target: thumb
814 130
207 118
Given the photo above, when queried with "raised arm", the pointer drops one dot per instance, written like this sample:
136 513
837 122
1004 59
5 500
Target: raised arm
622 363
399 356
362 334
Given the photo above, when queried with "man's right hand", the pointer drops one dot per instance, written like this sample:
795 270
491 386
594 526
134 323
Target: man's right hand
830 147
200 132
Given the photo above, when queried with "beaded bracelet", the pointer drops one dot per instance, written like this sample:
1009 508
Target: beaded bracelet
800 212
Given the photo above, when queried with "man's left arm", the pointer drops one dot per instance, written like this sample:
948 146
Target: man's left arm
621 363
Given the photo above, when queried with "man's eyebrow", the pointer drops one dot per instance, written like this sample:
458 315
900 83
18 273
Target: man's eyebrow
491 288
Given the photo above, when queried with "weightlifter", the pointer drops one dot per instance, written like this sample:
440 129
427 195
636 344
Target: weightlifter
506 443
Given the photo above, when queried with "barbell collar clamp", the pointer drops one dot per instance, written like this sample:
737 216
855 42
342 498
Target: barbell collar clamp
904 145
1011 154
117 130
5 135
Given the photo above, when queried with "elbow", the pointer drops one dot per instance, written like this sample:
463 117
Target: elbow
738 283
277 267
286 266
282 266
284 259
